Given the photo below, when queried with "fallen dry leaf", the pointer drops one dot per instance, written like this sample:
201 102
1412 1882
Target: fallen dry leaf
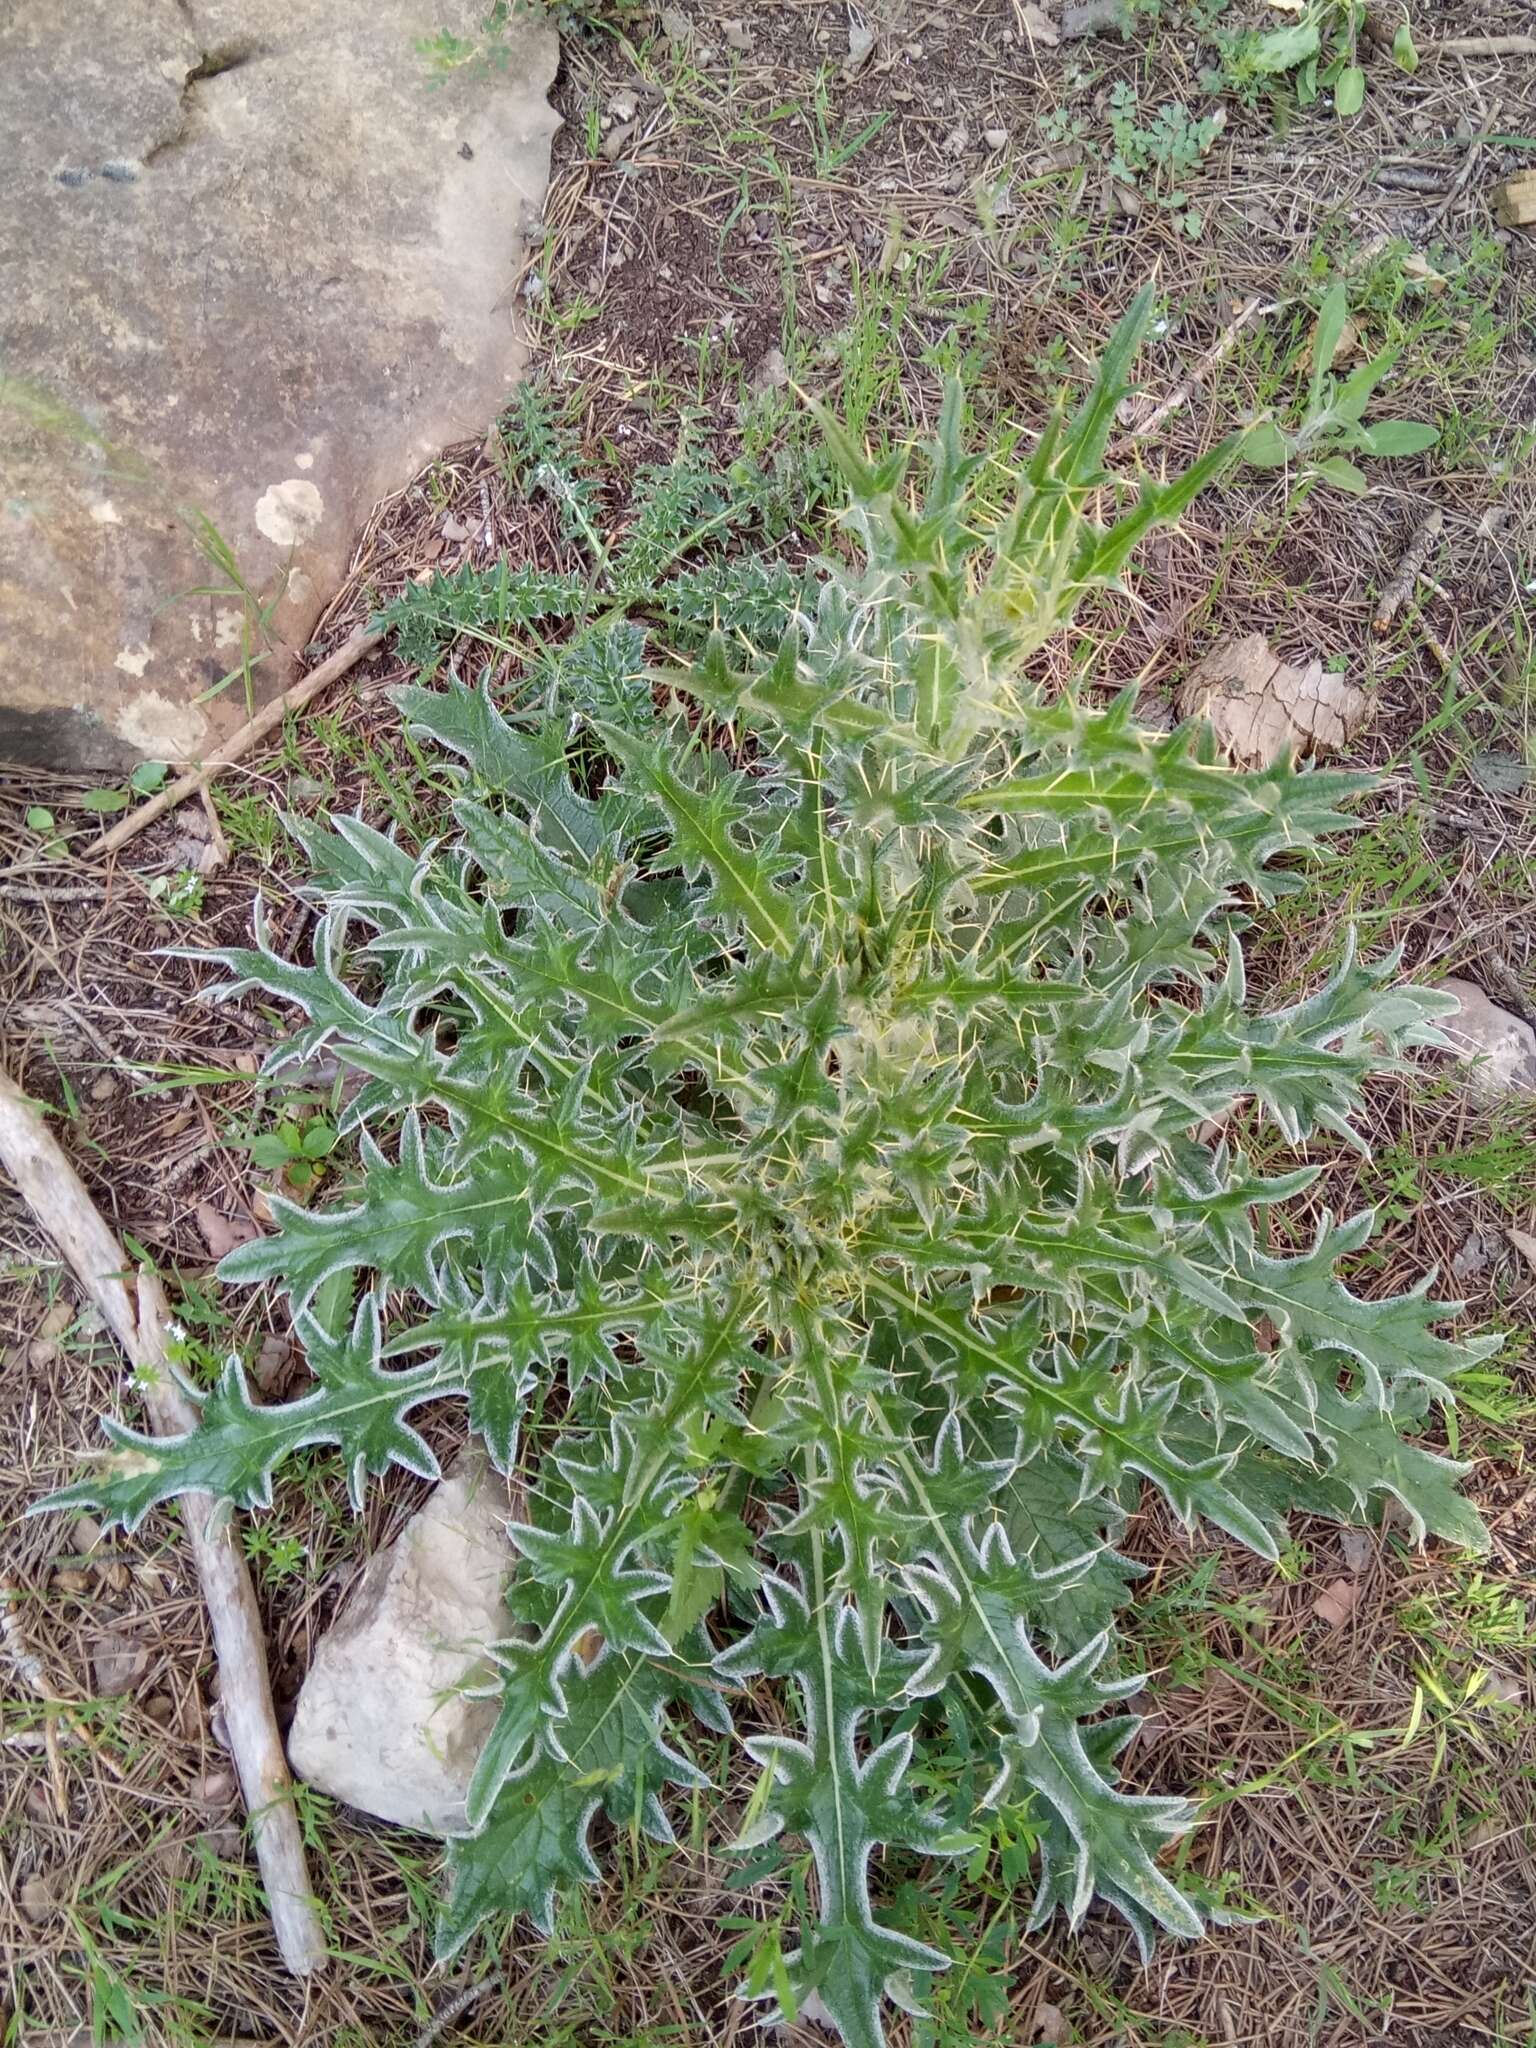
616 141
1524 1244
118 1662
272 1365
1336 1603
1093 18
1261 707
221 1234
1504 1692
1418 270
1038 28
57 1320
1051 2026
771 372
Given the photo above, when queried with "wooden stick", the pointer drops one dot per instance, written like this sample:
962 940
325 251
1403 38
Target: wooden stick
346 656
1482 46
53 1192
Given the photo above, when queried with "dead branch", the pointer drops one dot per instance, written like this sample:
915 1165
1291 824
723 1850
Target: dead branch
1408 571
1482 46
267 720
135 1311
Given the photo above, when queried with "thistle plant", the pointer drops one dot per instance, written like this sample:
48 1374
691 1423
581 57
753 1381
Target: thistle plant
778 1126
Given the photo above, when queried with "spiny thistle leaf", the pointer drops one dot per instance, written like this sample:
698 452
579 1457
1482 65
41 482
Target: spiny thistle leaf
786 1078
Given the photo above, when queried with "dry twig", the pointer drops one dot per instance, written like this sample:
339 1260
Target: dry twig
346 656
455 2008
1219 349
1482 46
53 1192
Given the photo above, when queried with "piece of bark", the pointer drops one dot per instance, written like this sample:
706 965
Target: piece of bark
1261 707
1336 1603
1408 571
1514 202
135 1310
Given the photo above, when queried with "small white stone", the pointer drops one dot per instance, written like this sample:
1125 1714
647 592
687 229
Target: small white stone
382 1720
1498 1049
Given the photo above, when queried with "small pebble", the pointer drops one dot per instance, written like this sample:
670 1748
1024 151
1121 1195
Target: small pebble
995 138
216 1788
57 1320
37 1900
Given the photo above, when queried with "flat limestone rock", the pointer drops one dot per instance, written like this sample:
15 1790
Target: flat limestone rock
1497 1048
380 1721
259 260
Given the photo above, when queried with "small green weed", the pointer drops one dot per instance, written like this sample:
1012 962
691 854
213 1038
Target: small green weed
275 1557
445 55
833 150
181 894
1153 155
1157 154
1293 64
295 1147
1476 1612
1332 418
145 780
